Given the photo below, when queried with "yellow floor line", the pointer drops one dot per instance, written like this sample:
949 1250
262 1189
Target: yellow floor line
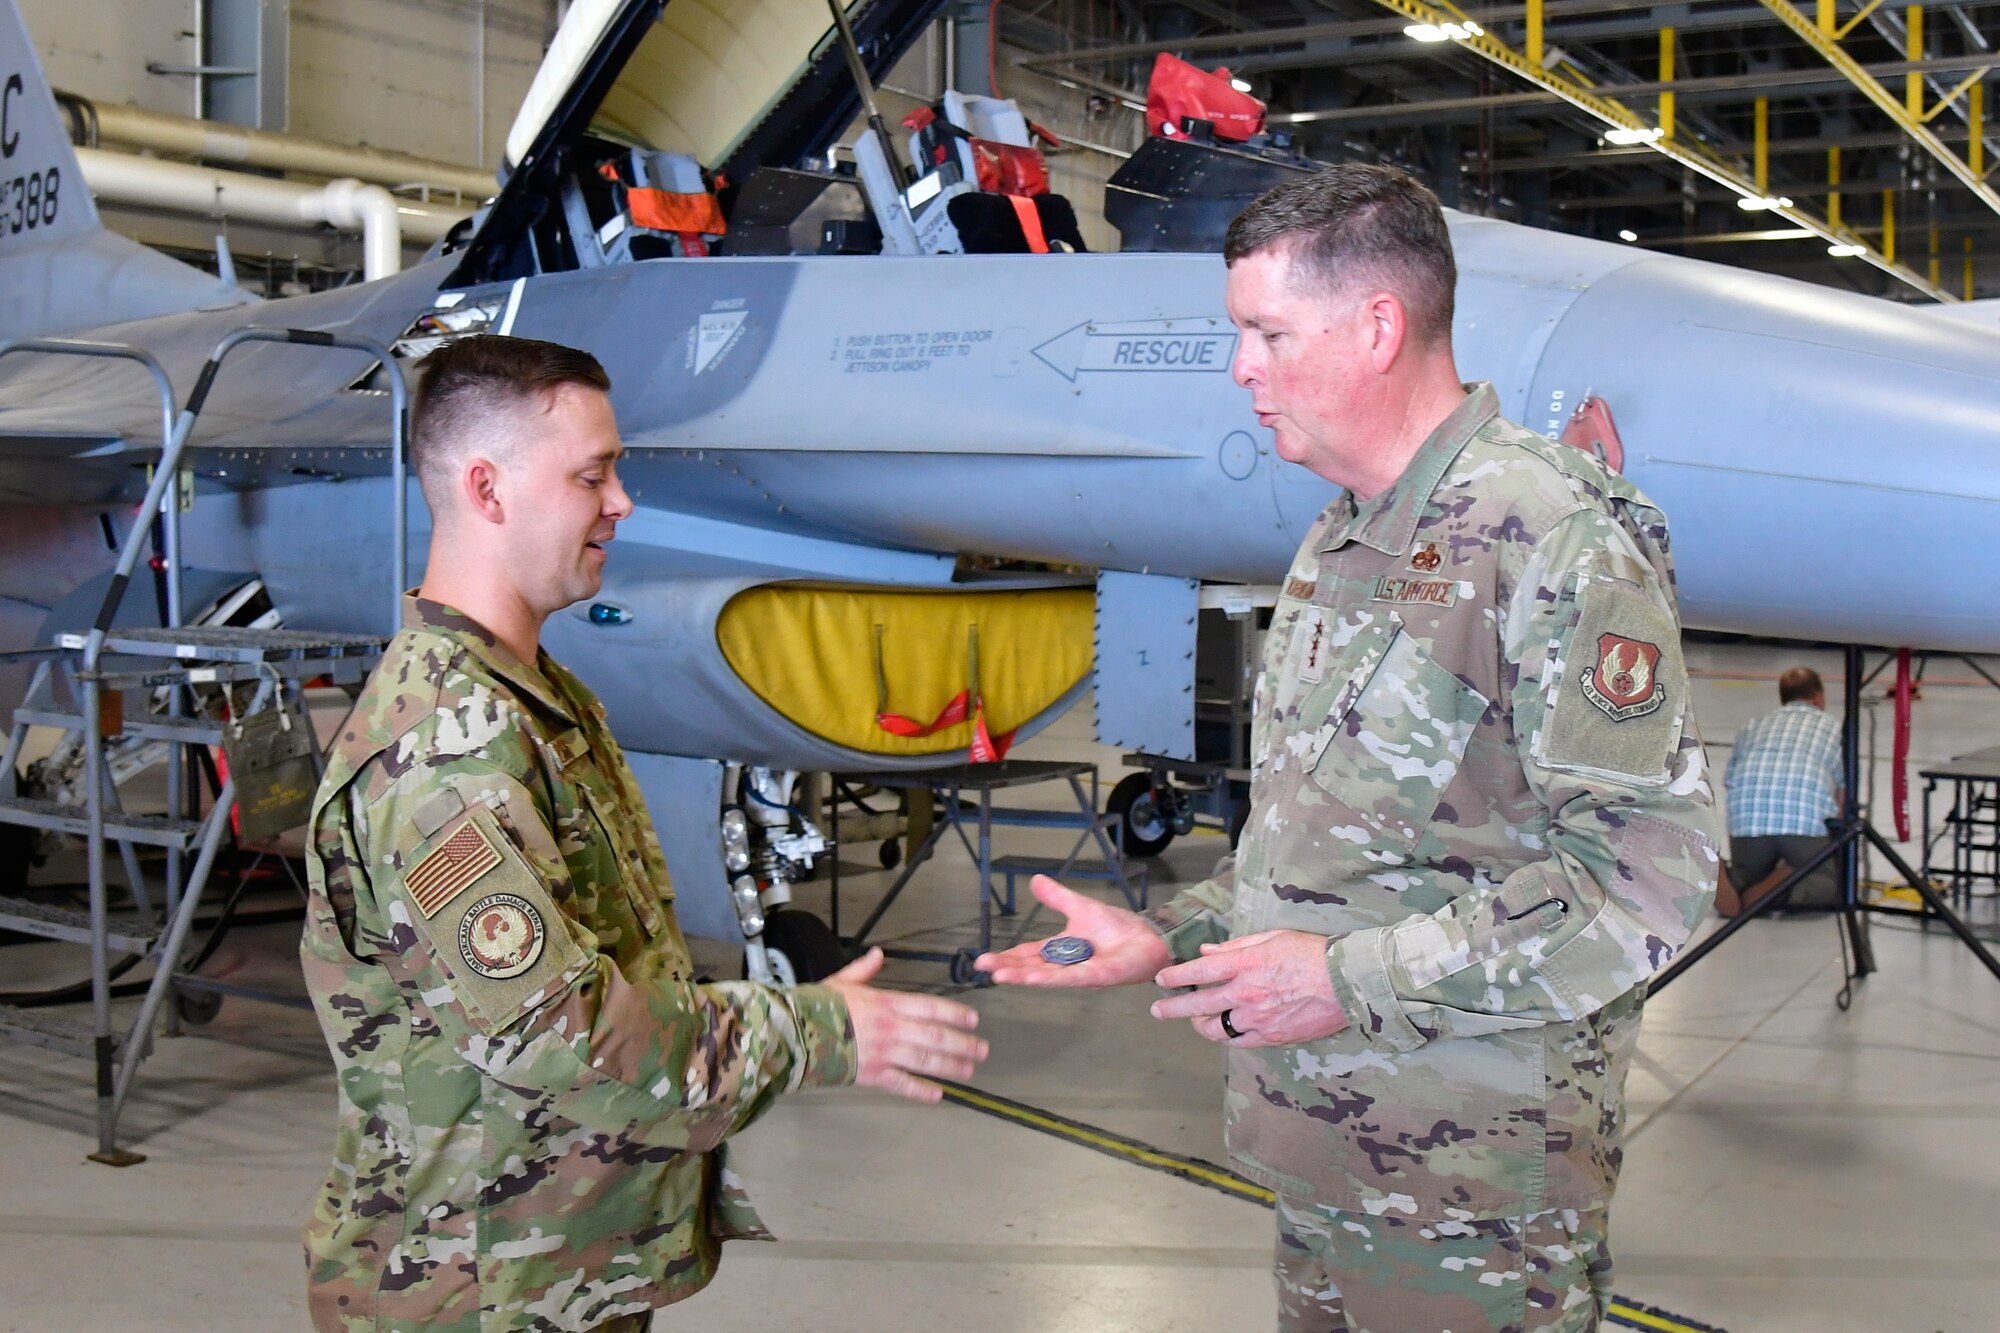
1207 1173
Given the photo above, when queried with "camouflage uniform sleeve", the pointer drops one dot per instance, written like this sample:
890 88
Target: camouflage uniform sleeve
485 957
1607 741
1198 914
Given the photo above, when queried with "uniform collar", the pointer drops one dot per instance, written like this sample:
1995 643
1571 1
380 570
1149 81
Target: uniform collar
1388 522
538 682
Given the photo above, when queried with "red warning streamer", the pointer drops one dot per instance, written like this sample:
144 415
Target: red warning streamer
1899 778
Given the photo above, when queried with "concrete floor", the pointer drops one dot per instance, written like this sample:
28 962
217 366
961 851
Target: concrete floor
1791 1167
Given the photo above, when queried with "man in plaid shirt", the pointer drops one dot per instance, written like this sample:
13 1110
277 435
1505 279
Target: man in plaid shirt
1784 784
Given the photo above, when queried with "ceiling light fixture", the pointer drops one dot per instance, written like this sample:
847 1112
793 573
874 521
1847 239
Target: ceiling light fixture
1443 32
1756 203
1626 138
1628 235
1842 250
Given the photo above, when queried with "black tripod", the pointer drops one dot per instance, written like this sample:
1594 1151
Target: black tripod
1849 833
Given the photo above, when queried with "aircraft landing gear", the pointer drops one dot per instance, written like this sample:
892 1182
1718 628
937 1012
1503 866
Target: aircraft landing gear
1150 815
801 947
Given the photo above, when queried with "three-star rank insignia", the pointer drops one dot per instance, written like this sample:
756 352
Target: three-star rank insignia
1624 682
501 936
1426 558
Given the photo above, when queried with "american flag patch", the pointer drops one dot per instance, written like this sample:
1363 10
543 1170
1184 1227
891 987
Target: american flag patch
450 867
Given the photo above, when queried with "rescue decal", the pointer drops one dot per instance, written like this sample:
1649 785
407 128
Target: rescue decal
1623 684
1166 346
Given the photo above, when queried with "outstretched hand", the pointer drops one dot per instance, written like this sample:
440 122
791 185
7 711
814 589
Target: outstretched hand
1125 950
1274 986
898 1036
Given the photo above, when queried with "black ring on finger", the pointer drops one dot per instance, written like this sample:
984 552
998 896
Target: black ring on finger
1228 1026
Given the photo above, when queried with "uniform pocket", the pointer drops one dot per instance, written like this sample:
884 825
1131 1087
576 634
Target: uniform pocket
1396 727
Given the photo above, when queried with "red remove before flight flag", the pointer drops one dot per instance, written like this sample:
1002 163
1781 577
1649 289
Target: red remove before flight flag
1179 90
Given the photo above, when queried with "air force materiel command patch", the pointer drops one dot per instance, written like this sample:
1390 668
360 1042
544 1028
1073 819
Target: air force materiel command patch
450 868
501 936
1623 684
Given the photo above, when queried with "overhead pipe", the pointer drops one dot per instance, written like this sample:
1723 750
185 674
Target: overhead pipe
349 205
215 141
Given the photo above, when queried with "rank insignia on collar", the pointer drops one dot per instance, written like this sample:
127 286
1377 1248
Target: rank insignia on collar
1309 646
1624 683
1426 558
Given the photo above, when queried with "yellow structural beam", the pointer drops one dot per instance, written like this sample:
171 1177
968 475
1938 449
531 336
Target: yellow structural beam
1535 31
1889 224
1907 113
1833 194
1616 115
1975 115
1666 76
1913 50
1760 147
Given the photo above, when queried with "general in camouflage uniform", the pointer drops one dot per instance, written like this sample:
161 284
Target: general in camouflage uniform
534 1090
1480 813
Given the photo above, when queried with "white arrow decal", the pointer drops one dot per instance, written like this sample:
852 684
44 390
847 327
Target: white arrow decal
1161 346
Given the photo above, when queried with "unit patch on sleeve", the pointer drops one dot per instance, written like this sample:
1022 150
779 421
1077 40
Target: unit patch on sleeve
1618 704
1623 683
501 936
490 919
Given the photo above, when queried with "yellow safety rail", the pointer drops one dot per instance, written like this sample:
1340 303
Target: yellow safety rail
1695 156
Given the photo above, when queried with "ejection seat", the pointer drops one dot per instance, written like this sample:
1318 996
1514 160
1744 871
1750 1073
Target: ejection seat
640 204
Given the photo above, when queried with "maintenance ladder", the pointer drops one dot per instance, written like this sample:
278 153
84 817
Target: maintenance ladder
96 669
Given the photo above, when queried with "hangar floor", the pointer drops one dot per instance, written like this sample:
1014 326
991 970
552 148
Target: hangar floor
1791 1168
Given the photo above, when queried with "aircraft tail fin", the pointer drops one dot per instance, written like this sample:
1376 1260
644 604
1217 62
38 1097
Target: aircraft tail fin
43 201
60 270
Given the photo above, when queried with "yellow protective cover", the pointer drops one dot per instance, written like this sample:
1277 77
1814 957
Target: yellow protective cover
810 652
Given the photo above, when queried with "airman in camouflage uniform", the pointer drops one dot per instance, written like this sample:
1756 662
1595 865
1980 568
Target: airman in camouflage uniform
1480 820
534 1090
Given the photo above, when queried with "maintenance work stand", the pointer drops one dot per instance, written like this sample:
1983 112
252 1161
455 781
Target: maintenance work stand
964 796
182 683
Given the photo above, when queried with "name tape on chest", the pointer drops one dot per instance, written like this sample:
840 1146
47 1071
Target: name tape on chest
450 868
1421 592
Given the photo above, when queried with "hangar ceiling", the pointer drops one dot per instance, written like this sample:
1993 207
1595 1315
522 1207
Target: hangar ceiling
1859 114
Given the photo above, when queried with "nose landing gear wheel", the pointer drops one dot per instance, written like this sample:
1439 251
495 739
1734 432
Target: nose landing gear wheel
1143 829
803 948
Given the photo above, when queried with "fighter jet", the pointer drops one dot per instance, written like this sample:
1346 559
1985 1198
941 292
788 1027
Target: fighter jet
827 446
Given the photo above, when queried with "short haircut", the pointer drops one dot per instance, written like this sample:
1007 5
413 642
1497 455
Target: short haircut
1359 223
1799 685
470 387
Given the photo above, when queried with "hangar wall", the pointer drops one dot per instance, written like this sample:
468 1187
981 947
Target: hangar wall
397 74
